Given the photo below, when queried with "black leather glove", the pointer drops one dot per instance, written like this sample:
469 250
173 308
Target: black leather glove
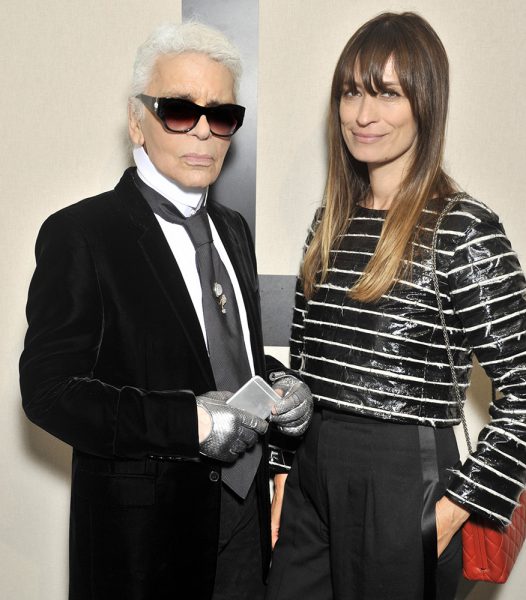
292 414
233 430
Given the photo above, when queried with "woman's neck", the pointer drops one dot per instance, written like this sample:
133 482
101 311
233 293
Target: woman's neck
385 181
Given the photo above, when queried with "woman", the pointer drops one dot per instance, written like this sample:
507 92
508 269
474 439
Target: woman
377 493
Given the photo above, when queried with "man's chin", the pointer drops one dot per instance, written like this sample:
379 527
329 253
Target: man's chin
196 180
192 180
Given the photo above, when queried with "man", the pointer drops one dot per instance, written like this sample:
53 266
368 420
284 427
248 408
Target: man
128 343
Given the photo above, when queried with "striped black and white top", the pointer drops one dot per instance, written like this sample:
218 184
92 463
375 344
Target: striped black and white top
388 359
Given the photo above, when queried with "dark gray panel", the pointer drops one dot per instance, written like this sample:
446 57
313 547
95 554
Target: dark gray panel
239 20
277 301
236 187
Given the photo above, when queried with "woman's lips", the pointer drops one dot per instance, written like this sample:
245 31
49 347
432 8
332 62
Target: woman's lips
367 138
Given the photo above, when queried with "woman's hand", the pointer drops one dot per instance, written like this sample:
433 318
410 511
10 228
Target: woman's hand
277 503
449 519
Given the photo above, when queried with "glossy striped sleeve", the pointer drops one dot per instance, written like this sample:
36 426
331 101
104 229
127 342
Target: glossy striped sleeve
296 331
300 308
282 448
488 292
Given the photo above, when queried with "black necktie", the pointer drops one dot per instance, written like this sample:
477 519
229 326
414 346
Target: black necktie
226 346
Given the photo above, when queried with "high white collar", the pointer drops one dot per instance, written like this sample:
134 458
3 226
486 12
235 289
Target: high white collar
186 200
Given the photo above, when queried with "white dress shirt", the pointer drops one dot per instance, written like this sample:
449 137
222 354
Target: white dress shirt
188 201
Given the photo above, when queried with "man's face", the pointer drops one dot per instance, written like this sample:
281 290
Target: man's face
193 159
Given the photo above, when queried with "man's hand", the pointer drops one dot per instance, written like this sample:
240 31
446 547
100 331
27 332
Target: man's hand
225 432
449 519
293 412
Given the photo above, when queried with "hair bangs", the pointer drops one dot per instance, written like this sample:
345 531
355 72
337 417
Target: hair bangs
367 57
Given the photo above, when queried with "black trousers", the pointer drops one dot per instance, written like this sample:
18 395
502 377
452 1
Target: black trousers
351 525
239 562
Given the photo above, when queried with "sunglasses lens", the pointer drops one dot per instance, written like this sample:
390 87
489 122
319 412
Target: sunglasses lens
180 117
223 120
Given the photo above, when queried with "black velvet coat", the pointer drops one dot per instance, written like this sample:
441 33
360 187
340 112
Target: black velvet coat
112 351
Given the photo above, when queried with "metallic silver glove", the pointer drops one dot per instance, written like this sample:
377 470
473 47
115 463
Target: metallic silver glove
233 430
294 410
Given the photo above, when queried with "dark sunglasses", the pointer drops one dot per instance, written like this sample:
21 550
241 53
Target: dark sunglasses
181 116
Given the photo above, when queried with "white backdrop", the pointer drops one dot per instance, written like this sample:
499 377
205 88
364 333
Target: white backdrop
65 70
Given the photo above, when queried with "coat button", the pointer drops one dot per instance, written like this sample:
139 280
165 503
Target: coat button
214 476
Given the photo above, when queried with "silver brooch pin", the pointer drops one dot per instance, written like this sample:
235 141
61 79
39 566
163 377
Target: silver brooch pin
221 298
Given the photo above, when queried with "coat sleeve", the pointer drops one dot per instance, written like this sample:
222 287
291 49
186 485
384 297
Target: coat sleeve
60 391
488 292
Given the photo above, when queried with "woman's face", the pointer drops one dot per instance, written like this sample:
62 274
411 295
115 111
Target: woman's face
379 129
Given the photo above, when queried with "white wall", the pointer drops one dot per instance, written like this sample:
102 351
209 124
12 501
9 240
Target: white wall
65 70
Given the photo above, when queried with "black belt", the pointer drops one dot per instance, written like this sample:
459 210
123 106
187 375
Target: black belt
343 415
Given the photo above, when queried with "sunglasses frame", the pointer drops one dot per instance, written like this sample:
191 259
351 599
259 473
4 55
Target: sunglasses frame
157 106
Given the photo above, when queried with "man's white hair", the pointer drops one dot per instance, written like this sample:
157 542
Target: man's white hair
172 38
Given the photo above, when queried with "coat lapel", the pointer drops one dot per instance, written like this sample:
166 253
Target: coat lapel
239 247
161 261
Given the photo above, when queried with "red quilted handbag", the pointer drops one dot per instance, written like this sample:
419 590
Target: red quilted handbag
488 553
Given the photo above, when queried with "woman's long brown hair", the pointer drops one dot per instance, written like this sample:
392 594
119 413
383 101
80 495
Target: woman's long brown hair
421 64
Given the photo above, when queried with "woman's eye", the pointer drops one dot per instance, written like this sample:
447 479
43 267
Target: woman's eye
349 94
389 94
